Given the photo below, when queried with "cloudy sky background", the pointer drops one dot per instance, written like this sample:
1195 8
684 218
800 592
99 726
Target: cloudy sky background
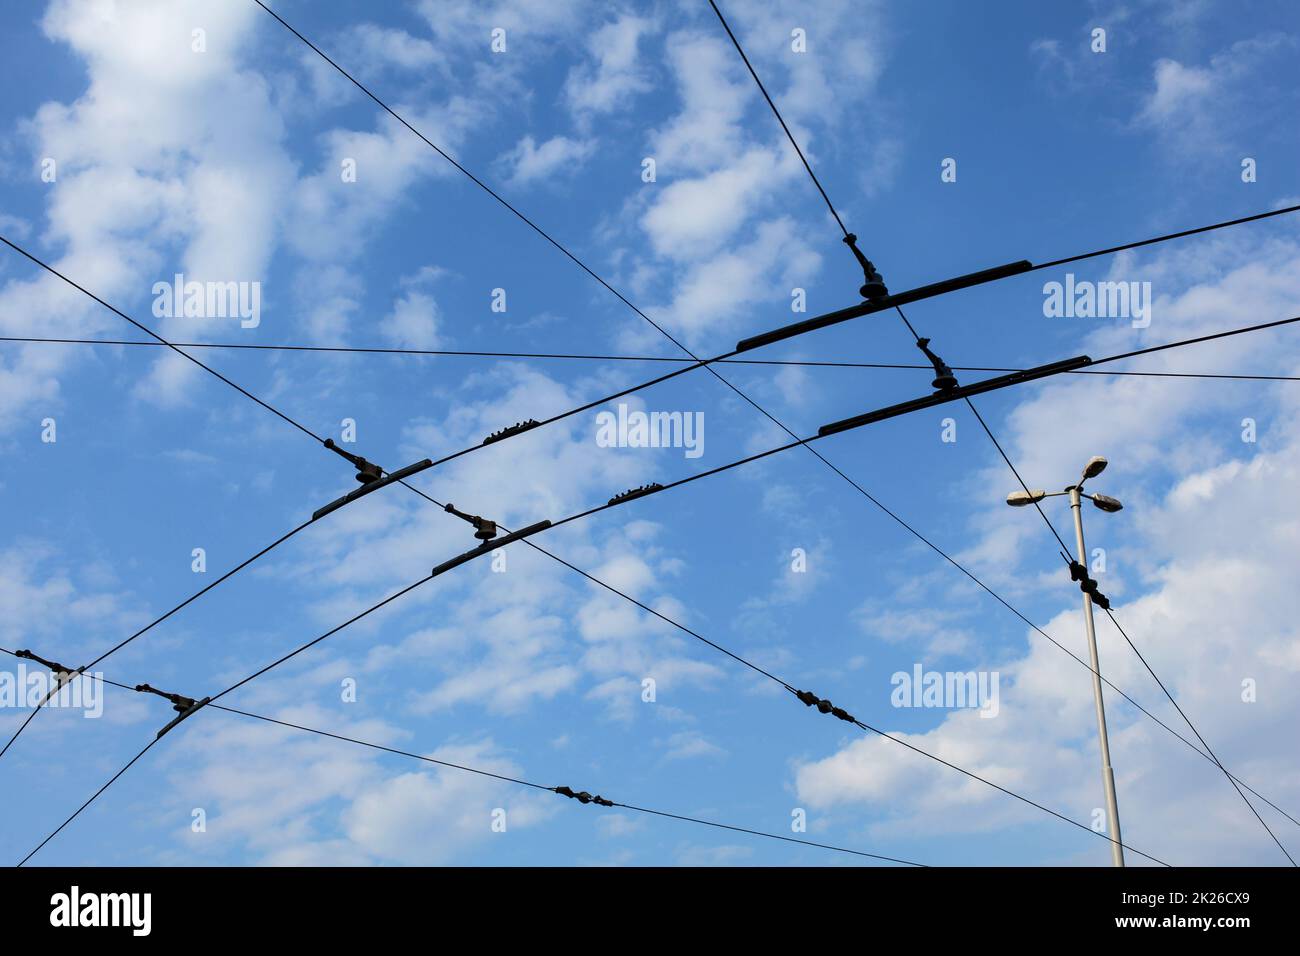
225 165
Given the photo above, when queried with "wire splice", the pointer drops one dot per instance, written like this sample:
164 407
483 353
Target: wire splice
367 471
944 380
583 796
1086 584
632 493
512 430
825 706
874 288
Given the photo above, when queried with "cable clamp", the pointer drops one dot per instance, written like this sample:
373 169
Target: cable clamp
510 431
875 284
367 471
184 706
825 706
632 493
484 529
62 673
944 380
583 797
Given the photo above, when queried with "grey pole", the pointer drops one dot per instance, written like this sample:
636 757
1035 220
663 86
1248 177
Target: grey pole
1108 775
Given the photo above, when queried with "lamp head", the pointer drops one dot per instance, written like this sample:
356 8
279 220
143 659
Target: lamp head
1096 465
1018 499
1107 503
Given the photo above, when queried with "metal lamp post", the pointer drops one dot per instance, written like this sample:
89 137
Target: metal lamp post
1094 467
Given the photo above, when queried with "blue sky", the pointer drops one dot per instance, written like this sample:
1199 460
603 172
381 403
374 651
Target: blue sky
225 165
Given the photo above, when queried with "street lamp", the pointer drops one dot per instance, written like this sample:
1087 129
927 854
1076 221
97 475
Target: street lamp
1018 499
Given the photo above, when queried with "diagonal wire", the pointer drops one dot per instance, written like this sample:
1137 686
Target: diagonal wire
466 769
971 404
538 786
151 333
779 118
537 229
1188 720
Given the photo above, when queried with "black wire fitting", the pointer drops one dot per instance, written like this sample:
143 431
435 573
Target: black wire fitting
371 487
875 284
61 671
632 493
825 706
1087 585
184 706
367 471
944 380
484 529
180 703
583 797
511 430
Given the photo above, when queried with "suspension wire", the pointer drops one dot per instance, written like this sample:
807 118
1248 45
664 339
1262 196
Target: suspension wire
795 363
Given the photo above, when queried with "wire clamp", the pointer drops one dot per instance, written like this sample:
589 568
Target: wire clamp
367 471
583 796
944 380
825 706
484 529
1086 584
184 706
875 284
511 431
632 493
62 673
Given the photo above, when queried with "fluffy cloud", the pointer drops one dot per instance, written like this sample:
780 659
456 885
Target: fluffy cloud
529 163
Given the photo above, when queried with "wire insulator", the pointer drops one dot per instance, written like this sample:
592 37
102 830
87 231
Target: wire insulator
583 796
1088 585
825 706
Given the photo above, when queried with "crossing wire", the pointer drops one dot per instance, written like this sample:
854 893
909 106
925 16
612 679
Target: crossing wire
411 587
466 769
152 334
158 620
797 442
570 255
1110 614
1065 550
795 363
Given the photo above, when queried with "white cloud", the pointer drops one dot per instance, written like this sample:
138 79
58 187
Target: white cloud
615 75
387 46
1202 108
413 323
559 156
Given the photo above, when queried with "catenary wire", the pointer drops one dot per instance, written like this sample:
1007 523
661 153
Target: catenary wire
984 425
480 772
796 363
